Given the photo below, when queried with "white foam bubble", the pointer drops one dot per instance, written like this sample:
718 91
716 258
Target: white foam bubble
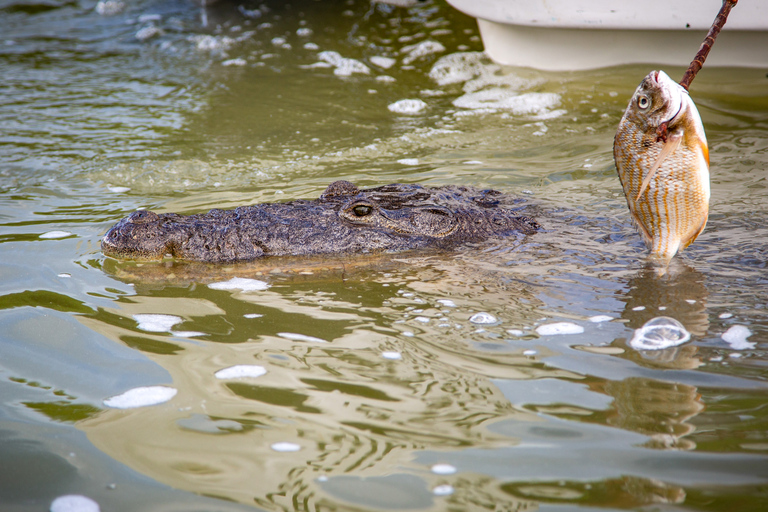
443 469
65 275
253 315
304 32
109 7
459 67
483 318
300 337
736 336
659 333
382 62
141 397
56 234
515 332
600 318
147 33
241 371
240 283
447 303
392 355
285 447
74 503
343 66
422 49
725 315
502 98
558 328
422 319
408 161
385 79
407 107
443 490
118 189
151 322
234 62
311 46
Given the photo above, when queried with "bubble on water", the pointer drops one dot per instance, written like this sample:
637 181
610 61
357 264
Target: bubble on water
343 66
109 7
515 332
408 161
558 328
723 316
659 333
241 371
285 447
64 275
501 98
447 303
311 46
736 336
385 79
443 490
234 62
638 308
74 503
118 189
443 469
213 44
147 33
420 50
382 62
151 322
141 397
460 67
473 162
392 355
407 107
300 337
600 318
55 234
530 352
240 283
483 318
252 315
422 319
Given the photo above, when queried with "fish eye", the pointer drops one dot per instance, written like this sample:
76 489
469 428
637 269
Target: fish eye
361 210
643 102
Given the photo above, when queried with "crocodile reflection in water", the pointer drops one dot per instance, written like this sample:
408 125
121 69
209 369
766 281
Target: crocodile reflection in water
344 220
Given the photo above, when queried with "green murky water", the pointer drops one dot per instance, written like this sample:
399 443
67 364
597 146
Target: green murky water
382 388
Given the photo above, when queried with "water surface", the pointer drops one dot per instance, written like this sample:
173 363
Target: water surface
414 381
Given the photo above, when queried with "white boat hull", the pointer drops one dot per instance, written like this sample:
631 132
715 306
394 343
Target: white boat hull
561 35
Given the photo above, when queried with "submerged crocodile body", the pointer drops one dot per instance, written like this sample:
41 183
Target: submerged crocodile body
344 220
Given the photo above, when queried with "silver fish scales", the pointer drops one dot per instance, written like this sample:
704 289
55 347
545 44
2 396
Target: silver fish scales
662 158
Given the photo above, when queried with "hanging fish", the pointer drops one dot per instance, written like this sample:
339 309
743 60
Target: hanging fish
662 158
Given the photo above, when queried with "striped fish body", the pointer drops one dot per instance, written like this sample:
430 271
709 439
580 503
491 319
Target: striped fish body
662 158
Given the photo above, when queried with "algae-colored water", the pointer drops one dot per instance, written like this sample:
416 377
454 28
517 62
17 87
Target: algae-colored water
410 382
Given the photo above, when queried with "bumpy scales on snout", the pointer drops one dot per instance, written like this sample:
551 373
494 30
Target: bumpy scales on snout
344 220
662 158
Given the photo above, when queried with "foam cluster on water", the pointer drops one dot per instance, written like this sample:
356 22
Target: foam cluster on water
74 503
736 336
659 333
422 49
407 107
487 89
152 322
558 328
240 283
343 66
241 371
141 397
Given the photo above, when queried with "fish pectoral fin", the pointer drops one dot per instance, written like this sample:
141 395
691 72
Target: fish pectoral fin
670 145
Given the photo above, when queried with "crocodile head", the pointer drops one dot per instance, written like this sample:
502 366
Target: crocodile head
345 219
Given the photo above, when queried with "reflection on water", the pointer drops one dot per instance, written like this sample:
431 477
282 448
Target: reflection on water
381 388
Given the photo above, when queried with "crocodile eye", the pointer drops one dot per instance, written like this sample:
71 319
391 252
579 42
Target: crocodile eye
643 102
361 210
142 217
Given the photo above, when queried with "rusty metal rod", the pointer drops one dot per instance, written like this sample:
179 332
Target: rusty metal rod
701 55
